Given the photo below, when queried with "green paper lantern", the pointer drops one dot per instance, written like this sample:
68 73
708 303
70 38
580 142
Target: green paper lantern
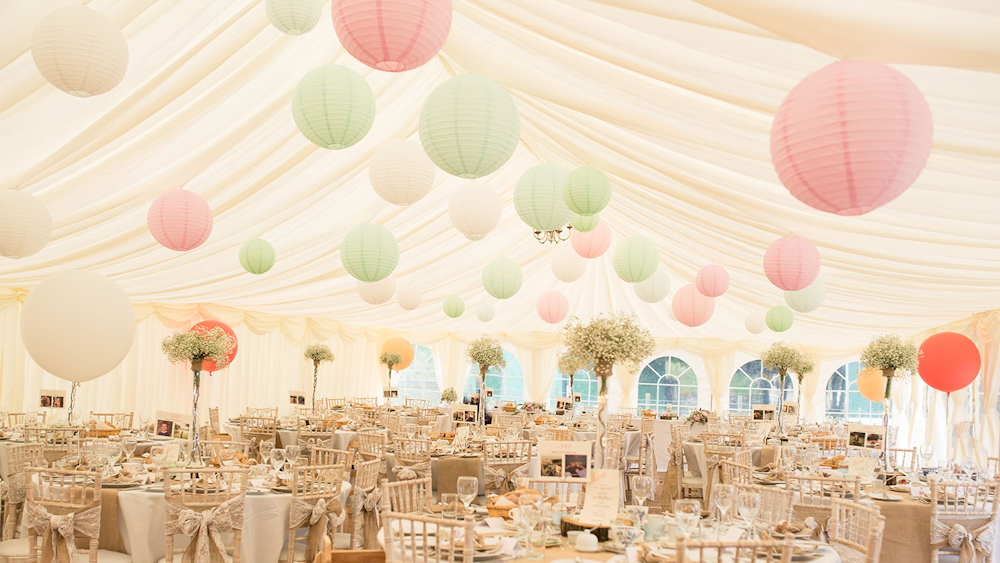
779 318
635 258
502 278
537 198
586 191
469 126
294 17
585 223
370 252
333 106
257 256
453 306
807 300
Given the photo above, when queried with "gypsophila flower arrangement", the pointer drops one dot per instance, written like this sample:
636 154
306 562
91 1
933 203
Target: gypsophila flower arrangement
449 395
785 358
390 359
699 416
319 353
608 339
196 346
891 352
569 365
486 352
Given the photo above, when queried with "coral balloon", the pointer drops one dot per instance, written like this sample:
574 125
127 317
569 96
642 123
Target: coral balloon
592 243
949 361
392 35
712 280
871 384
402 347
552 306
791 263
691 307
205 326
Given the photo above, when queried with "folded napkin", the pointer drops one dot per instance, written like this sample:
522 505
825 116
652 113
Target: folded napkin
650 554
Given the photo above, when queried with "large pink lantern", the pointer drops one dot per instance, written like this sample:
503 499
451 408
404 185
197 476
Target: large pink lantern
180 220
592 243
691 307
712 280
392 35
791 263
851 137
552 306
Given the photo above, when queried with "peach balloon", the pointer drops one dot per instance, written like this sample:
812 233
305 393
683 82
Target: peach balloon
712 280
552 306
871 384
592 243
791 263
402 347
691 307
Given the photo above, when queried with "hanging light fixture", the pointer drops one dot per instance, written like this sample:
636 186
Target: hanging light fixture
555 237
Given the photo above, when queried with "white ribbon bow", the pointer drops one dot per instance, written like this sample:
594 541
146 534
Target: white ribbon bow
65 526
410 472
974 546
206 528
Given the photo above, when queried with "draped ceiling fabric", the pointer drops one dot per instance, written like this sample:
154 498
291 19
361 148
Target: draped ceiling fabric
673 100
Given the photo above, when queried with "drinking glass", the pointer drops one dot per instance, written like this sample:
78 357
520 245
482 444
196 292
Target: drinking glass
468 490
158 455
277 458
266 447
926 453
185 450
128 446
144 420
227 457
724 497
451 504
530 505
687 513
749 507
640 488
969 466
292 453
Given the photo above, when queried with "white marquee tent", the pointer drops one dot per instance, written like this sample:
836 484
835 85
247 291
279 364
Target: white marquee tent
674 100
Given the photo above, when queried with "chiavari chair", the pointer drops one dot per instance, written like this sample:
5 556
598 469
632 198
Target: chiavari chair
764 551
558 434
409 537
215 425
312 485
364 495
775 503
427 417
416 403
815 493
970 504
505 463
408 496
562 488
687 482
209 493
312 430
19 457
336 403
855 531
504 420
120 420
619 422
734 473
257 429
903 459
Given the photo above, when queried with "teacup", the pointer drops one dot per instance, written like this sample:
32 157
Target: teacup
626 536
637 514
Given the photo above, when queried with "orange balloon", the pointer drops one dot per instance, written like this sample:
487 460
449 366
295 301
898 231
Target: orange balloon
402 347
871 384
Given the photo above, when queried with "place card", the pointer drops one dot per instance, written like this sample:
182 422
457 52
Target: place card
860 465
600 507
496 522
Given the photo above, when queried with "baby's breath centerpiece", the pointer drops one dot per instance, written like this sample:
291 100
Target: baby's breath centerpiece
785 358
570 364
318 353
390 359
449 395
486 352
891 354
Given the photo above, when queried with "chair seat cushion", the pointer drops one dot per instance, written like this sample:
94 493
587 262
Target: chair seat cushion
14 548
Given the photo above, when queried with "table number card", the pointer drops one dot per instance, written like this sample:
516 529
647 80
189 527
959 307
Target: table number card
600 507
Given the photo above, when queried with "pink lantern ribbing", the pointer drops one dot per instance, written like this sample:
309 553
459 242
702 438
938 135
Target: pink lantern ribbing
552 306
791 263
712 280
180 220
691 307
392 35
851 137
593 243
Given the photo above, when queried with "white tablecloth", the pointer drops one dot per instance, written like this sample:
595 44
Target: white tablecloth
694 453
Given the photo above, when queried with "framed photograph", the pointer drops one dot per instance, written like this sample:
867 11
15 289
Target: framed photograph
762 412
565 459
564 404
172 425
865 436
461 413
489 392
577 397
296 397
165 428
51 399
393 392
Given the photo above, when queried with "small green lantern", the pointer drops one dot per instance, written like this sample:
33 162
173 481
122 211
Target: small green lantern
585 223
257 256
453 306
370 252
333 106
502 278
586 191
635 258
779 318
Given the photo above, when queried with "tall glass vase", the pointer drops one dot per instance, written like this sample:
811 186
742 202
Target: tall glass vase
196 390
781 402
481 411
572 398
888 374
315 379
602 369
71 413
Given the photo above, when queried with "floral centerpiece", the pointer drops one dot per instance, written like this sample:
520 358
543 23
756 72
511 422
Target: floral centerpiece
318 353
893 355
569 365
699 416
390 359
785 357
487 353
531 408
194 346
449 395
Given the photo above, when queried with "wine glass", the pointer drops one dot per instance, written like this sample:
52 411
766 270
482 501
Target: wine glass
128 447
530 505
687 513
185 451
292 453
144 420
926 453
468 490
969 466
451 504
724 497
158 455
277 458
641 484
227 456
266 447
749 507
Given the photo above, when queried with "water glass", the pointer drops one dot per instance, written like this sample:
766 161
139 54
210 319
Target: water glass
641 485
128 447
687 513
749 507
926 453
277 459
656 525
292 453
266 447
530 505
468 490
724 497
451 504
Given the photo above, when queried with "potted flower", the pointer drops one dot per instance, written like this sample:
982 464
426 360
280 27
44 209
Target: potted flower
194 347
318 353
699 416
449 396
785 358
487 353
606 340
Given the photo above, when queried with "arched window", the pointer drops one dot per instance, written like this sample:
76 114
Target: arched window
843 400
583 383
668 382
754 385
507 384
419 380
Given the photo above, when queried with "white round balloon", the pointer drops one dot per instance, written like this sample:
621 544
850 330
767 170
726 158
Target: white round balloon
378 292
400 172
77 325
485 312
807 300
567 265
655 288
408 297
755 322
474 209
25 224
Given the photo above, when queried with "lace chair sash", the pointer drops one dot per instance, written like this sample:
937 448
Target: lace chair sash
975 546
59 531
323 518
205 528
647 442
12 493
410 472
366 508
503 479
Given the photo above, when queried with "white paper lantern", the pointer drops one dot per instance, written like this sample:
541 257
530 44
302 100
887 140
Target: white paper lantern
77 325
485 312
807 300
755 322
567 265
400 172
474 209
378 292
294 17
25 224
408 297
80 51
653 289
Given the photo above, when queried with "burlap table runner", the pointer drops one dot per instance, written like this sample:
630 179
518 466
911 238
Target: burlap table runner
449 469
907 531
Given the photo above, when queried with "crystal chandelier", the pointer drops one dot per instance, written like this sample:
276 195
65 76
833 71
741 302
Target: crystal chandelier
555 237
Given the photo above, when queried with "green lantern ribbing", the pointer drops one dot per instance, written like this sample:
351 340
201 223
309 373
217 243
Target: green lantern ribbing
333 106
257 256
370 252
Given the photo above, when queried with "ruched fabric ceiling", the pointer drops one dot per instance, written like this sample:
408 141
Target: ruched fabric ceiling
672 99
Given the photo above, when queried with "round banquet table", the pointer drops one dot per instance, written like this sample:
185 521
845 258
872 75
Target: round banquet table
291 436
632 438
141 448
694 453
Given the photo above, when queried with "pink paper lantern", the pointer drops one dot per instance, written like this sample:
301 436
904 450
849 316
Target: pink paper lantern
691 307
851 137
552 306
712 280
392 35
180 220
592 243
791 263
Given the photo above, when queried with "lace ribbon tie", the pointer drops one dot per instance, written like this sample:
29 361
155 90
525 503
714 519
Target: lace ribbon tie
323 518
205 528
369 502
974 547
410 472
503 480
59 531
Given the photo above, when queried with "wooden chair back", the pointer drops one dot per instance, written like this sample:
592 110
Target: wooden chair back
733 473
561 487
759 551
506 454
62 491
411 451
558 434
903 459
120 420
330 456
614 451
258 427
816 491
20 456
408 496
427 417
775 503
371 444
201 489
316 483
409 537
339 402
858 528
